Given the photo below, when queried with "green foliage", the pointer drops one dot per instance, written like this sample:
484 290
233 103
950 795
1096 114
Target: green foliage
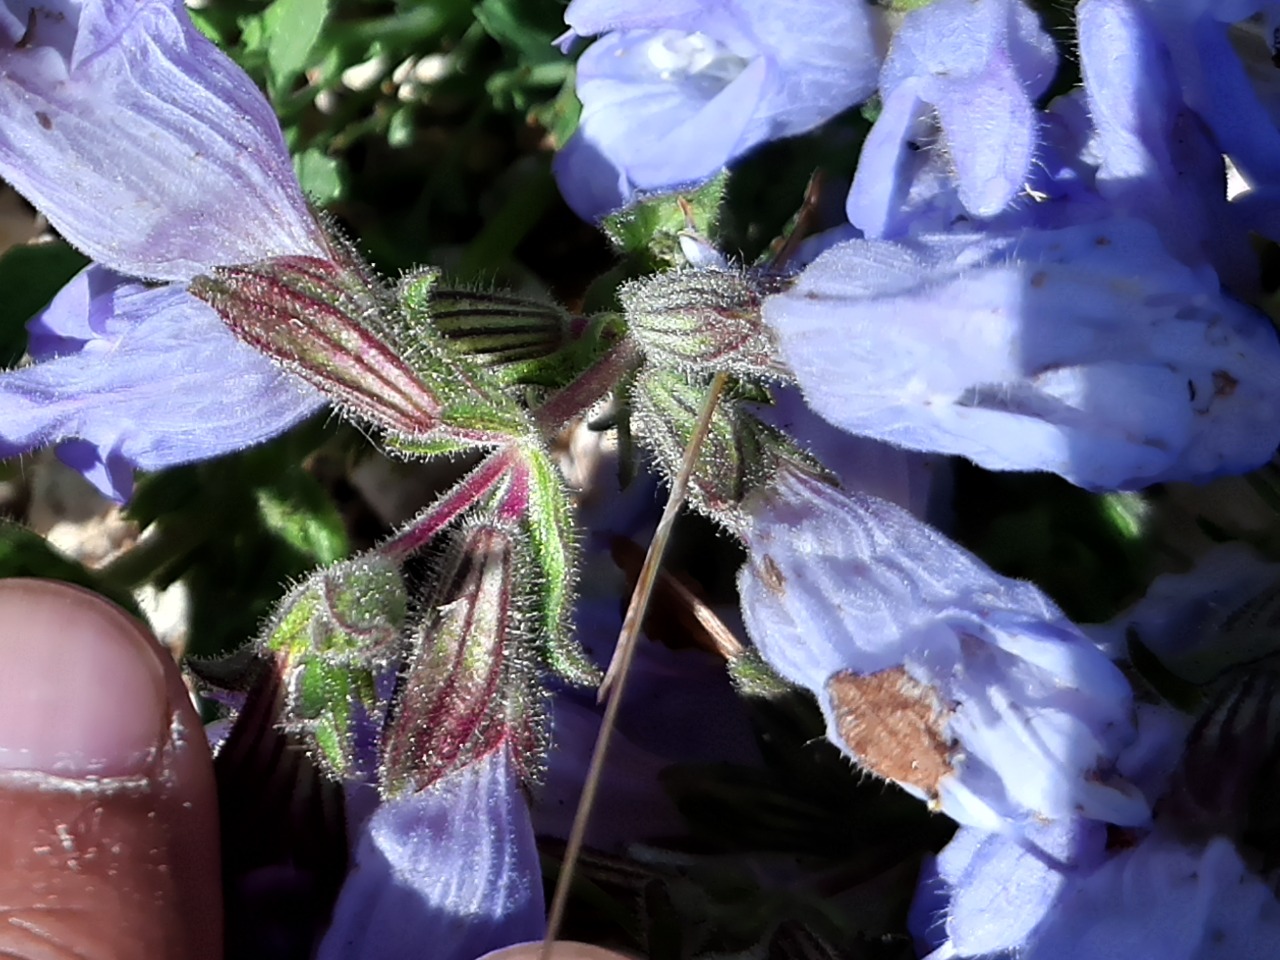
290 30
321 707
323 178
554 549
327 635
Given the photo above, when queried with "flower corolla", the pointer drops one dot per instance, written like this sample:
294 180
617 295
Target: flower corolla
961 79
151 151
1087 351
671 92
452 869
967 688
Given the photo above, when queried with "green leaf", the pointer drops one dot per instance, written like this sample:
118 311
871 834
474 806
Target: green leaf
323 177
322 697
402 128
300 513
291 29
527 28
30 276
1128 513
559 117
551 531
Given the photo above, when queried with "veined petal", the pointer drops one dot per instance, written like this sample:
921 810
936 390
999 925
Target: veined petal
980 63
990 126
1087 351
450 872
672 93
145 145
665 125
1001 887
963 686
142 377
1163 899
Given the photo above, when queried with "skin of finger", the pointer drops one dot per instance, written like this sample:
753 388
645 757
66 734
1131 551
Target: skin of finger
560 950
118 867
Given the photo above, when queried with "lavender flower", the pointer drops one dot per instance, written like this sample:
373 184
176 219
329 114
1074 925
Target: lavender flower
970 71
1211 60
451 870
1156 159
673 91
1168 901
967 688
1194 882
987 892
113 390
1160 900
1087 351
1185 888
151 151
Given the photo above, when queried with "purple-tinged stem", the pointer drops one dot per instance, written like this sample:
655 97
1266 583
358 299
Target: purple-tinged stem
422 528
590 386
515 500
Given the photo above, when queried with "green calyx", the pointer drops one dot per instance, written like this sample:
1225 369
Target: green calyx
328 636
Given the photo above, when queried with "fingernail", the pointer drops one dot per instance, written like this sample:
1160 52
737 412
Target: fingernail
82 689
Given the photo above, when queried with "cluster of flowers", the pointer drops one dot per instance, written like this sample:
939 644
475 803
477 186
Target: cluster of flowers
148 149
1060 288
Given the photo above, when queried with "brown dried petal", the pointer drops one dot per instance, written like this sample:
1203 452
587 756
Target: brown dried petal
894 726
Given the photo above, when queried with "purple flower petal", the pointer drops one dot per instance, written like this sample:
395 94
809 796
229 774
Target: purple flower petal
999 888
962 685
979 65
141 377
1165 900
674 92
1217 86
911 480
1156 159
655 125
1087 351
146 146
450 872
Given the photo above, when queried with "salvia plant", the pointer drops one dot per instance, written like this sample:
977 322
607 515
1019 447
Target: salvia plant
946 323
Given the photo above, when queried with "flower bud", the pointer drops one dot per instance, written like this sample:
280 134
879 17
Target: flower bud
705 321
516 337
349 613
470 687
740 454
328 635
331 322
